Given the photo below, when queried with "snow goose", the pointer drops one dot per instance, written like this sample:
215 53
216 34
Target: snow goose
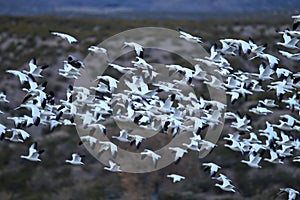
268 103
88 139
137 47
283 126
254 159
291 192
2 130
123 137
113 83
282 72
274 157
95 127
272 60
293 33
35 111
18 135
215 83
113 167
35 70
257 49
253 139
106 145
290 120
3 97
189 37
226 184
87 117
98 50
228 49
260 110
136 139
235 145
207 145
18 121
121 69
75 62
22 77
296 159
176 178
296 21
33 154
199 73
280 90
212 167
152 155
288 42
76 159
179 152
265 72
193 145
293 102
295 56
69 38
241 45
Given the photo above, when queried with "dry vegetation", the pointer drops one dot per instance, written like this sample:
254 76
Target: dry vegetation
22 38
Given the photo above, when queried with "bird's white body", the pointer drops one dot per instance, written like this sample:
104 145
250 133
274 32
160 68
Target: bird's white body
69 38
33 153
176 178
76 159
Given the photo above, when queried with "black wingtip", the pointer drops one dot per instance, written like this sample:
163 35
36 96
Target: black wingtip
41 151
138 145
34 144
70 87
33 60
37 121
248 51
215 45
31 77
251 39
132 142
177 161
75 42
44 84
173 96
26 98
295 25
44 66
198 132
2 136
141 54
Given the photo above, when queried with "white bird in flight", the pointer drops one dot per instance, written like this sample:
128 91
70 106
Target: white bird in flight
114 167
212 167
33 154
137 47
98 50
76 159
151 154
69 38
176 178
189 37
291 192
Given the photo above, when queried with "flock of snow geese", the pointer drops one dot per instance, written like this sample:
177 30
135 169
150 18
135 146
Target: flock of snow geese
176 113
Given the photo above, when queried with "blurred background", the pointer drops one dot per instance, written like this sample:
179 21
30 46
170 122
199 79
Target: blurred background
24 33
